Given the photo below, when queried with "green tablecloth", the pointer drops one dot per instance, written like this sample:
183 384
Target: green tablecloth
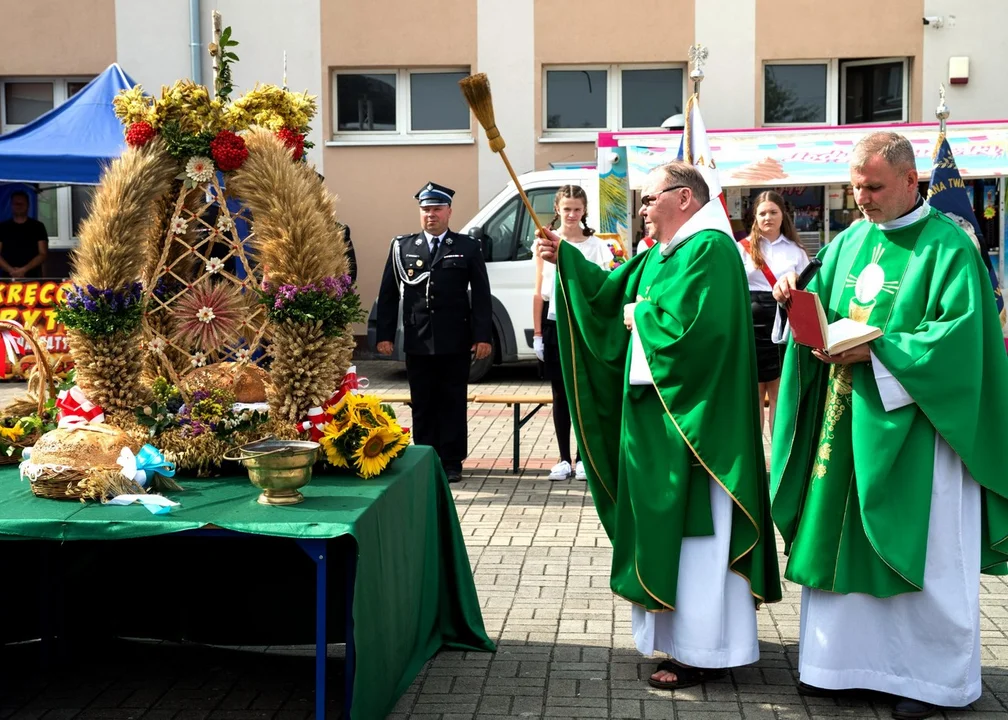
414 591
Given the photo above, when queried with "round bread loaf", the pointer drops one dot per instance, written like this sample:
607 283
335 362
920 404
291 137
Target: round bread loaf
82 447
248 383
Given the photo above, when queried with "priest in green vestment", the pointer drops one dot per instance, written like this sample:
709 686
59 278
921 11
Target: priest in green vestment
889 471
659 365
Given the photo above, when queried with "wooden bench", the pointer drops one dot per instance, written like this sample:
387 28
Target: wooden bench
540 401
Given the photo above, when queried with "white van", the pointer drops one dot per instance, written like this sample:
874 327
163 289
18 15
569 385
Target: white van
506 232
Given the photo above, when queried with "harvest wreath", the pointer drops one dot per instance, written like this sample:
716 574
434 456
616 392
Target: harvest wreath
172 308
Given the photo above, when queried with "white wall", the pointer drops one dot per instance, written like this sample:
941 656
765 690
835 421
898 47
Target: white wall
506 53
265 29
728 29
978 32
152 41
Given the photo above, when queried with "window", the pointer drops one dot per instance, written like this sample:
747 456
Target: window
499 231
510 232
542 202
397 105
583 100
25 101
794 94
650 96
576 99
22 101
836 92
873 91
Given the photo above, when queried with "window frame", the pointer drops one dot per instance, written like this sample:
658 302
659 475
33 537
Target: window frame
64 238
614 98
842 90
830 89
404 134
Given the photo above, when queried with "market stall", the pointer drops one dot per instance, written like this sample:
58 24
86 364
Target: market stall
809 166
70 145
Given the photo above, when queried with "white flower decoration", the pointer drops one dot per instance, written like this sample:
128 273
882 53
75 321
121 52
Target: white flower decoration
198 360
214 265
224 223
200 169
243 355
179 226
205 314
157 345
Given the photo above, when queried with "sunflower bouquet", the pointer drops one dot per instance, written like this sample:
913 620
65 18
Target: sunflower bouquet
362 435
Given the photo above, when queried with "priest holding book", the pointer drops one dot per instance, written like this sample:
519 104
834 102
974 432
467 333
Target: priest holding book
888 472
659 366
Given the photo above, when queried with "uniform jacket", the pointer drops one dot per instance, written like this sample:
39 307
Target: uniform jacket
438 314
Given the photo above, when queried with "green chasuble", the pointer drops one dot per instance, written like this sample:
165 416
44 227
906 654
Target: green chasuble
851 483
648 449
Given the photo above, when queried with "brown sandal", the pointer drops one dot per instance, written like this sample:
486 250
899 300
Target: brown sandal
686 676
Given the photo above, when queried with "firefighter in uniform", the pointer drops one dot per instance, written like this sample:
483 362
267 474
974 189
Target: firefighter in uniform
443 329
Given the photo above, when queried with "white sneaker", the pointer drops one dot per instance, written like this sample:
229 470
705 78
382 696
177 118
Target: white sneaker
561 471
579 473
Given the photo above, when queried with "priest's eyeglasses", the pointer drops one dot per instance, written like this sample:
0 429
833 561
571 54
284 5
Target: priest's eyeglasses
648 200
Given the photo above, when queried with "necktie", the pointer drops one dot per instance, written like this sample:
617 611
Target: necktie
434 247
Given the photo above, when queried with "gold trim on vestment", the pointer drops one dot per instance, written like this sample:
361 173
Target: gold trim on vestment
577 394
731 563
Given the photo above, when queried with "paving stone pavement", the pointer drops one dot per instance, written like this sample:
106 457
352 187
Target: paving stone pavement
541 564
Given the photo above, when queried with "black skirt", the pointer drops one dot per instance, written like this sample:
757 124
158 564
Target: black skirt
551 346
768 354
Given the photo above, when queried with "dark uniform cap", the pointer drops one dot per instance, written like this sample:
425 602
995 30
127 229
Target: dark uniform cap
434 194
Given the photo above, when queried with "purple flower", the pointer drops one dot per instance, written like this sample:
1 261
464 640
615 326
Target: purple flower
90 304
92 290
200 395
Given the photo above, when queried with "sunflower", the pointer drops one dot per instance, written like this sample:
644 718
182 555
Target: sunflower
375 451
12 434
333 455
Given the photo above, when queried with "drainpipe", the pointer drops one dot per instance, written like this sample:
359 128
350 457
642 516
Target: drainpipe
195 56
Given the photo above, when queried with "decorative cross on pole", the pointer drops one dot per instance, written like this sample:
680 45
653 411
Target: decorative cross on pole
942 112
697 58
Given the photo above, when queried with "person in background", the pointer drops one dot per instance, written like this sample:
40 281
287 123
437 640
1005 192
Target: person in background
570 208
771 250
351 255
443 329
24 242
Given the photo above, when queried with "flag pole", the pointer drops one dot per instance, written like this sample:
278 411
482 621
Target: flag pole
942 112
697 55
697 58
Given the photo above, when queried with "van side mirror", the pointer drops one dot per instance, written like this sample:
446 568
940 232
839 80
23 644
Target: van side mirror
476 233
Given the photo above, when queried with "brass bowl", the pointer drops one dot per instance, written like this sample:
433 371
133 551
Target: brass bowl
278 468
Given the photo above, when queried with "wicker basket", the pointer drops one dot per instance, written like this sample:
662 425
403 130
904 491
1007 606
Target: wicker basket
41 387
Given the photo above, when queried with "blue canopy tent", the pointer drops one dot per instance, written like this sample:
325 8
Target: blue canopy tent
72 142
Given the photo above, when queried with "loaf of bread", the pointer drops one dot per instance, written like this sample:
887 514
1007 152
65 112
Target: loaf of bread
248 382
82 447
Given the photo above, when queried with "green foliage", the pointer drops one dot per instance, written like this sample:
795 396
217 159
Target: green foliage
183 145
222 84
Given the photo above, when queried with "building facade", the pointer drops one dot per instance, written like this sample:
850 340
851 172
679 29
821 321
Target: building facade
391 116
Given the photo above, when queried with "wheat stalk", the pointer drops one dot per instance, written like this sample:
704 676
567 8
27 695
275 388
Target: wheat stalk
114 237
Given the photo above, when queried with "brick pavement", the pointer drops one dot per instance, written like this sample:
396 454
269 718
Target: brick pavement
541 563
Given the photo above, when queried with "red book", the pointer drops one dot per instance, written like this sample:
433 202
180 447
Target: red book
809 327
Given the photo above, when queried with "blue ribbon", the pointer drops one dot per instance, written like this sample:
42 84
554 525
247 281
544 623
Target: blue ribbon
150 460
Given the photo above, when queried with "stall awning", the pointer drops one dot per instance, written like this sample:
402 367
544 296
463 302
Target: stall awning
70 143
821 156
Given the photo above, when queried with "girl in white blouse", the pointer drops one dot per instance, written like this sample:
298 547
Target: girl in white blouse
570 208
771 251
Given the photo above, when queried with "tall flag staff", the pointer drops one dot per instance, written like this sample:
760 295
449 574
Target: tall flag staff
947 193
